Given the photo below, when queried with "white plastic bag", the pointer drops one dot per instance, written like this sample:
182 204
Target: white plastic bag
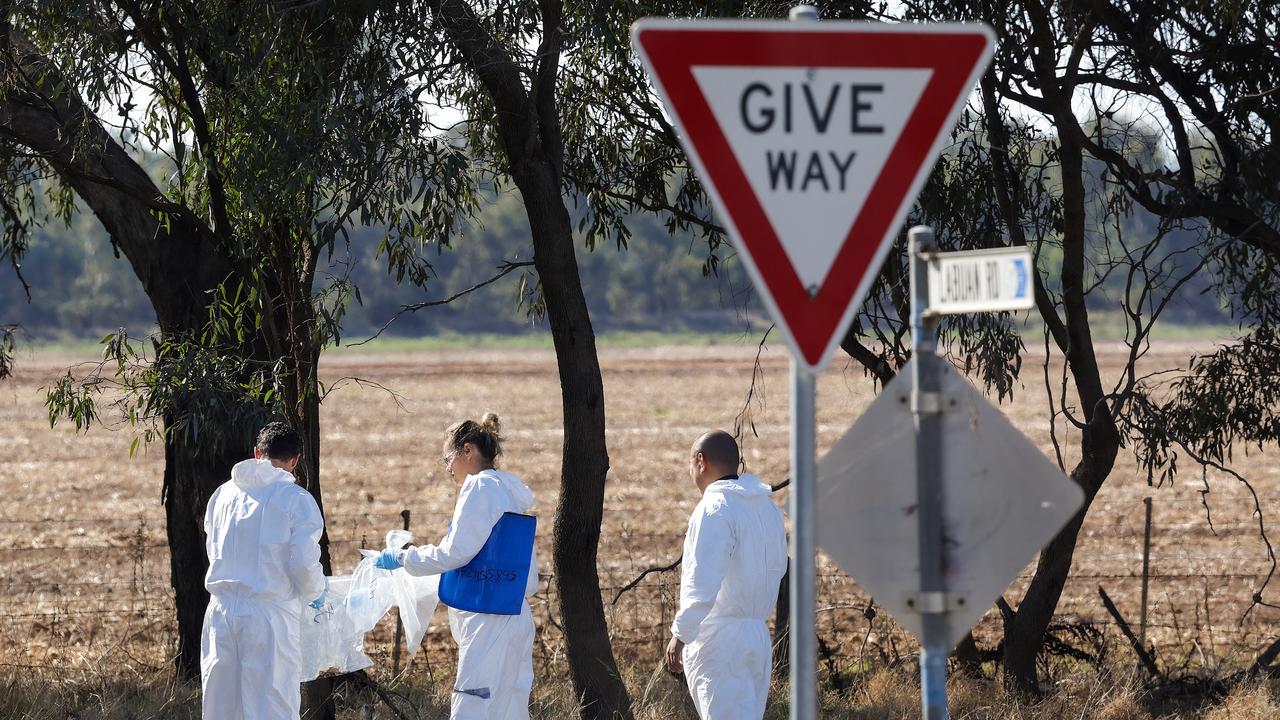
416 598
373 592
333 637
329 638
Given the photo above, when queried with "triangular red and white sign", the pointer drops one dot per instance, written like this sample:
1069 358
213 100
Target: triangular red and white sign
813 140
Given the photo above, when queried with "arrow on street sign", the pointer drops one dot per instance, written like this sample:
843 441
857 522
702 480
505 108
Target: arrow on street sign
813 140
1002 501
980 281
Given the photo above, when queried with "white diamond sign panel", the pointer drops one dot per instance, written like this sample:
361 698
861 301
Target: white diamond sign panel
1003 500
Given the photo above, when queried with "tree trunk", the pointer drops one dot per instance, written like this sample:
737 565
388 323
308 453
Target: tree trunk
1024 632
177 262
585 460
782 628
968 657
1100 439
293 326
317 695
189 480
528 124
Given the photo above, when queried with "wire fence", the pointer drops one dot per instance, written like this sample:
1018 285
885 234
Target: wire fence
71 598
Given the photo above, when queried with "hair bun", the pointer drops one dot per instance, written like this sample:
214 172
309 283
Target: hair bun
491 423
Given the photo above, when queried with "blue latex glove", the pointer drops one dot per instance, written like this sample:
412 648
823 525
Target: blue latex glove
318 603
388 561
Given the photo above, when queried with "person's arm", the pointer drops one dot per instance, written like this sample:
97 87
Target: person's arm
478 511
706 560
305 527
208 523
208 513
675 655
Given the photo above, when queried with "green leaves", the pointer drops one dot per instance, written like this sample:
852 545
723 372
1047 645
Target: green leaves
73 400
205 396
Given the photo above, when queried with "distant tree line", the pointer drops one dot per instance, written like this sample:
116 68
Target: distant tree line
79 290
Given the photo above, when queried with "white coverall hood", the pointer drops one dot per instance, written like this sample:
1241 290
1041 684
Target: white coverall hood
257 473
521 495
744 485
495 652
262 536
735 554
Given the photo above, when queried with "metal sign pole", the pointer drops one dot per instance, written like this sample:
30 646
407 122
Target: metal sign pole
804 655
933 600
804 599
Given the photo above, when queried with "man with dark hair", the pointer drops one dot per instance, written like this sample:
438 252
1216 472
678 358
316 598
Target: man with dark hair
278 442
262 534
718 450
735 553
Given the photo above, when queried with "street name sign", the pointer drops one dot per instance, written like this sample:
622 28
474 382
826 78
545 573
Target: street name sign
1002 500
812 140
980 281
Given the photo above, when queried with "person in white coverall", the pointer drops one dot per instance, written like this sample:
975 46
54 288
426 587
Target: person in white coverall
262 534
495 652
735 553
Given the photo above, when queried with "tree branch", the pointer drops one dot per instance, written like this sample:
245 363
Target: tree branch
506 269
673 564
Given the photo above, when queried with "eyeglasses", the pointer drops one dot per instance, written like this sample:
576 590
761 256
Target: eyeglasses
447 459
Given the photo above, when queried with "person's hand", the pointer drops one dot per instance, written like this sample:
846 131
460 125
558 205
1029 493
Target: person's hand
318 603
675 655
388 561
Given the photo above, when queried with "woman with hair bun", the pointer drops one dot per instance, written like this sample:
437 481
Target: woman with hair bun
485 579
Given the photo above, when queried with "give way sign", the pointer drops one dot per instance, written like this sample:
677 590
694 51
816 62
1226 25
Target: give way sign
812 139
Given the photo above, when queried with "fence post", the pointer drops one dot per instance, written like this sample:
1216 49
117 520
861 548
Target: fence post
395 650
1146 573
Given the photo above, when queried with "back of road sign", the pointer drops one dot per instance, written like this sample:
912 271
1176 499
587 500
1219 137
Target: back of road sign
1002 501
812 140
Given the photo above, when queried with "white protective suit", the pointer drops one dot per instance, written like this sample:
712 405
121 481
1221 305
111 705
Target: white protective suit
263 540
495 652
735 553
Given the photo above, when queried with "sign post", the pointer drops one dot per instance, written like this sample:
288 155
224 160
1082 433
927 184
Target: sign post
812 140
804 596
926 408
933 501
804 574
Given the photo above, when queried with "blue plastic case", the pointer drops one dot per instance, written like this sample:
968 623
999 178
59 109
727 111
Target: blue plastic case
494 581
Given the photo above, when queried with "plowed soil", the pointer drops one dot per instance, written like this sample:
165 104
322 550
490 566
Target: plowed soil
84 564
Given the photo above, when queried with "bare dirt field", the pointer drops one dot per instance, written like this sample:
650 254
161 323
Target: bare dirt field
84 565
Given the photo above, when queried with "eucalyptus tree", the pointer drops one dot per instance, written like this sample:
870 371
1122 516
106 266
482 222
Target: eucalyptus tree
1104 136
283 124
1173 108
280 126
502 65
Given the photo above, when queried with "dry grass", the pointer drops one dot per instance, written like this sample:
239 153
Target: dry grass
1251 702
888 694
84 572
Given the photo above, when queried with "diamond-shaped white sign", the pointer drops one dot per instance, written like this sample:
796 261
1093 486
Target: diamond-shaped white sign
1003 500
